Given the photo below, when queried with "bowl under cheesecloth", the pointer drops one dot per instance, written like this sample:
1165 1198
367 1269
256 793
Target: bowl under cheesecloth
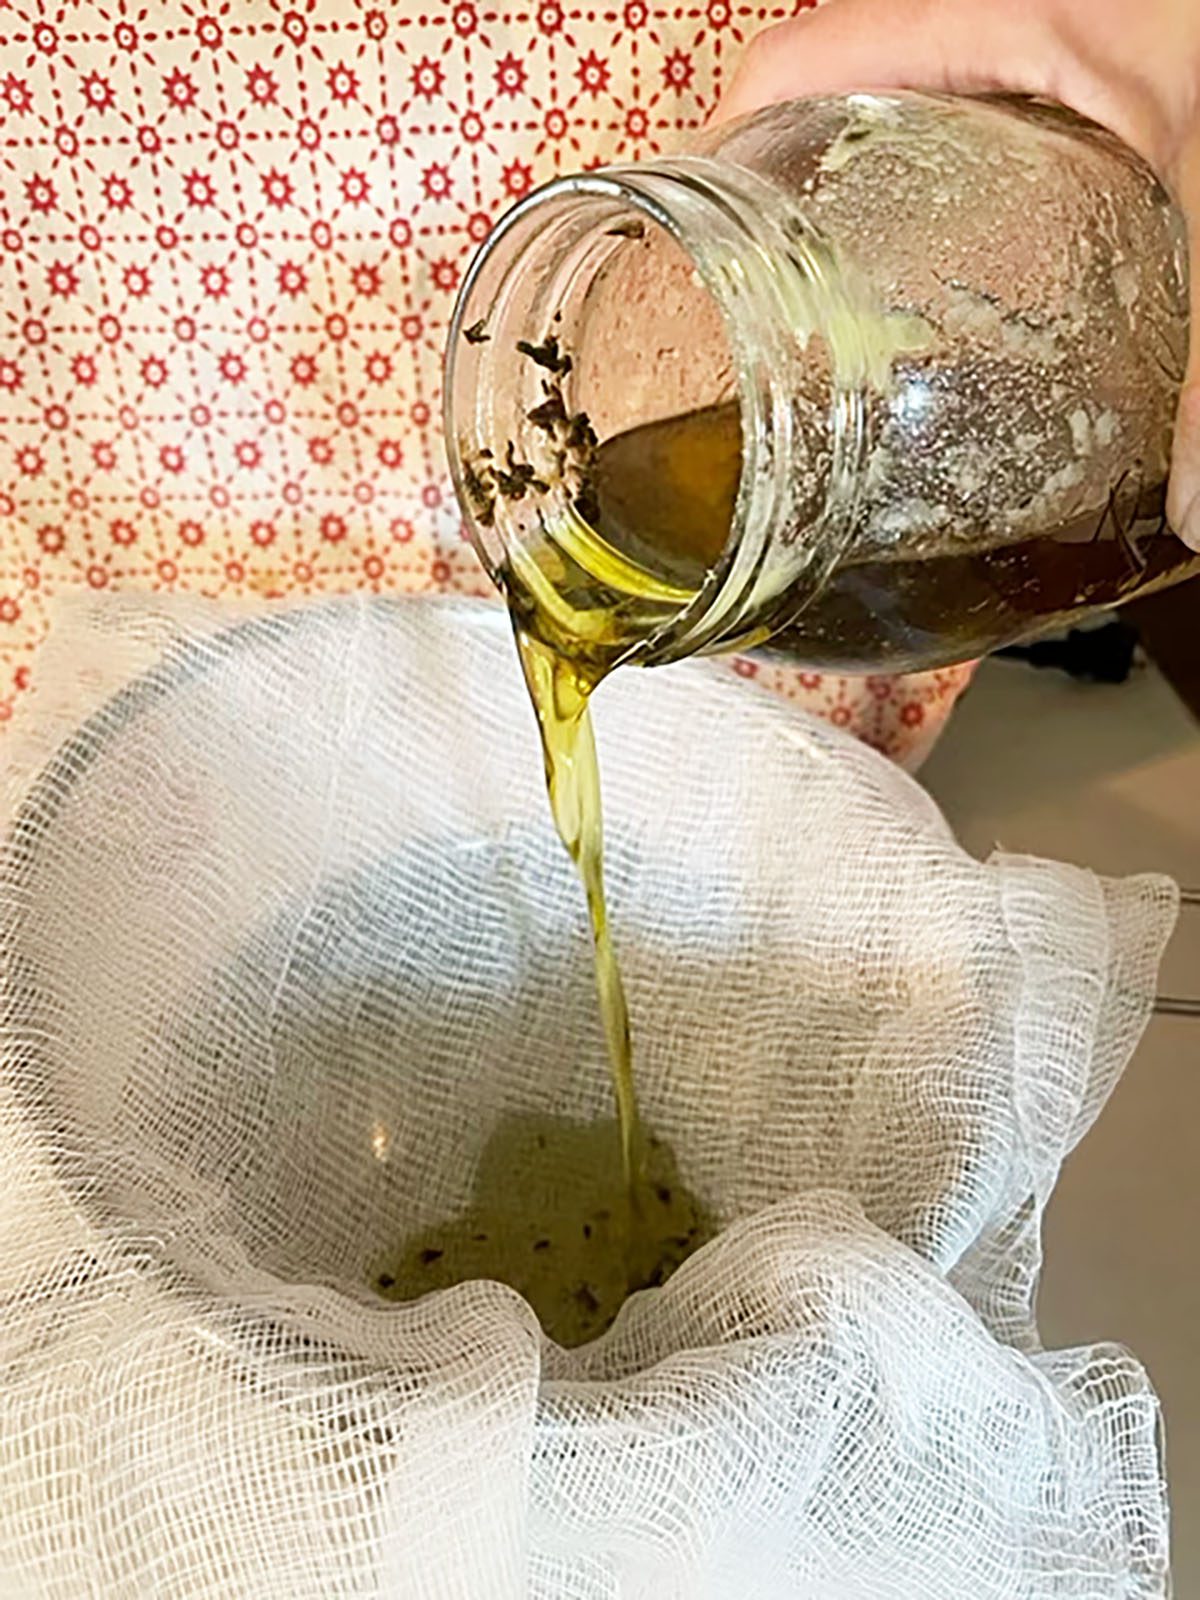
289 936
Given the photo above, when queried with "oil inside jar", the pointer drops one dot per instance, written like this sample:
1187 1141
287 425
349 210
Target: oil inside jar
666 493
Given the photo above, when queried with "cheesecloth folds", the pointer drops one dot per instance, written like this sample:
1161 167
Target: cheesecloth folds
286 933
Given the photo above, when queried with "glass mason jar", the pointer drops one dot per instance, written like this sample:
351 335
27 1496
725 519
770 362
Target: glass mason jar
887 380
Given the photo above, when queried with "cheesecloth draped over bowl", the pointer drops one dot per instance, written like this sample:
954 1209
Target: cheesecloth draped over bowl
287 933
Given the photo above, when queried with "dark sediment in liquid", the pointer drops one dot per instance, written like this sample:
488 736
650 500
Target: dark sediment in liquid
549 1216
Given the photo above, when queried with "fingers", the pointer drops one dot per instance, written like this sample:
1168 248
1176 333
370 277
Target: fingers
1183 495
886 44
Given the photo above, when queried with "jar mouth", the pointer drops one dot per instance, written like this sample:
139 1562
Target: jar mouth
699 444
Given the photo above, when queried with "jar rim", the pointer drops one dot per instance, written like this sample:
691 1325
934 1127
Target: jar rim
690 199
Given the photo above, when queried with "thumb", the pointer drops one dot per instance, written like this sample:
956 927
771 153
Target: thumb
847 45
1183 494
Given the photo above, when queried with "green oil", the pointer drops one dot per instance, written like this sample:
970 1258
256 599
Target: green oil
560 1235
577 607
560 690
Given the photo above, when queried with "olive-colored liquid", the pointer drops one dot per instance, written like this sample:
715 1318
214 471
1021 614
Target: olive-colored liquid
904 616
577 606
666 496
559 688
548 1214
575 1217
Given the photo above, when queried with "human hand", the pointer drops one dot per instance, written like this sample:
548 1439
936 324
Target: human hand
1131 65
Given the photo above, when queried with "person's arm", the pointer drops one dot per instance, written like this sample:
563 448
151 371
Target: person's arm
1132 65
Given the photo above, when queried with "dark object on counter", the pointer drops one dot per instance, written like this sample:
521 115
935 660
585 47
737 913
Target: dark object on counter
1098 655
1169 627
